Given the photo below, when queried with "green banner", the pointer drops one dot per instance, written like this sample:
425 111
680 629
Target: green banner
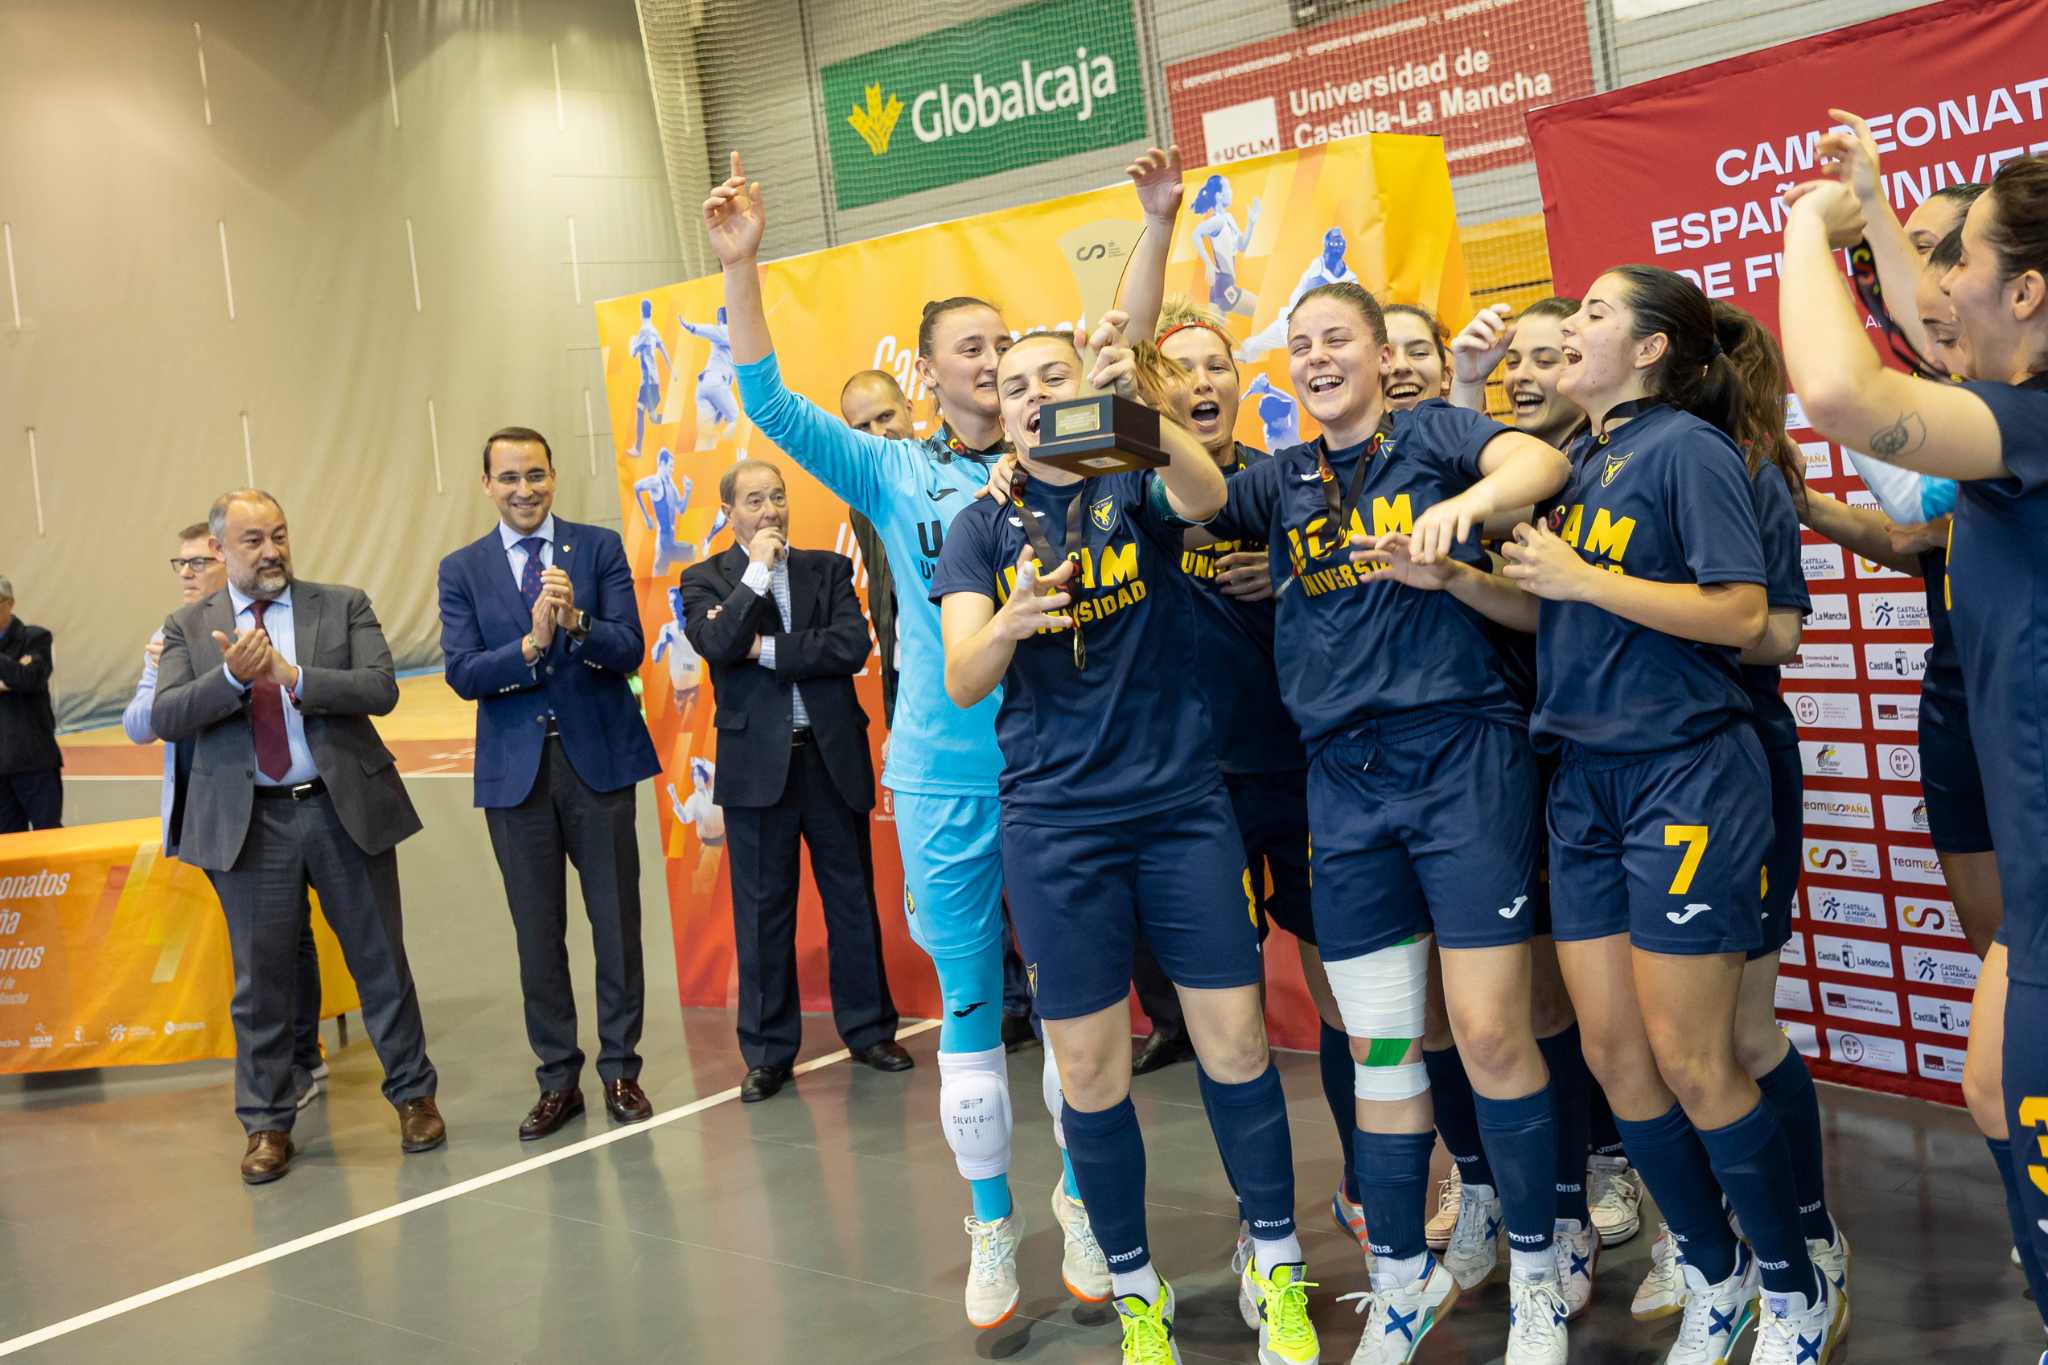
1041 81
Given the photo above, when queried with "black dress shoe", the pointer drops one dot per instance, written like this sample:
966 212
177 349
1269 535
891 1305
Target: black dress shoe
626 1102
762 1082
1161 1049
888 1056
1017 1032
553 1109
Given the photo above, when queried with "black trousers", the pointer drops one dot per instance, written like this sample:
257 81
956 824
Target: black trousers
563 818
291 845
763 843
31 801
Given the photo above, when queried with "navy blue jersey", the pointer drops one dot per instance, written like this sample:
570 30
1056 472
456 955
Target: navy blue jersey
1126 735
1254 732
1777 522
1943 681
1350 649
1998 607
1667 499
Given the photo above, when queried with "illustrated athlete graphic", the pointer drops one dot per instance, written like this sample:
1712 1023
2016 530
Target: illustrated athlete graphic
648 350
718 402
1278 413
1328 268
685 666
701 811
1218 241
662 503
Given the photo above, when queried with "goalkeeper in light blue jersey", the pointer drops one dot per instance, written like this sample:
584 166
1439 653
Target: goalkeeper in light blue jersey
943 760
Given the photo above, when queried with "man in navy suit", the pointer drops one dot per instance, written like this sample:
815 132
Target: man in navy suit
540 627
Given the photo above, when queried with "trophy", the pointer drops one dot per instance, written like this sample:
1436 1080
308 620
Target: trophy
1105 433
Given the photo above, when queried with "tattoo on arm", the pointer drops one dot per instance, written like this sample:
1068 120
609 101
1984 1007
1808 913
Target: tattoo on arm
1902 437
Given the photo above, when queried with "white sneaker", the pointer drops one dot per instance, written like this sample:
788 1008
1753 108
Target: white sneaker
1474 1250
309 1094
1833 1262
1083 1267
1397 1320
1662 1292
1536 1317
1436 1233
992 1292
1614 1194
1798 1332
1716 1315
1240 1257
1577 1250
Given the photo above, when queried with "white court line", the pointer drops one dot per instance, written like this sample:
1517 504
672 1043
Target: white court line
386 1215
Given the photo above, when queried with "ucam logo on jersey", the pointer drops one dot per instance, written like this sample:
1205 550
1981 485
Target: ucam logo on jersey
1830 612
1803 1037
1832 758
1893 610
1895 711
1940 1063
1863 1049
1939 967
1907 814
1899 762
1793 996
1822 661
1918 915
1935 1015
1829 856
1915 865
1793 954
1848 810
1826 710
1859 1002
1243 130
1907 662
1820 562
1820 461
1837 905
1860 957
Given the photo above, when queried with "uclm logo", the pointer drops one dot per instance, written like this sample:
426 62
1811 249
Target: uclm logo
1242 130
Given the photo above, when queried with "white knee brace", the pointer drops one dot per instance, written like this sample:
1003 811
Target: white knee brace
974 1106
1055 1099
1381 997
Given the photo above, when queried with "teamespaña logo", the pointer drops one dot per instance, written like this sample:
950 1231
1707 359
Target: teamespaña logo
876 122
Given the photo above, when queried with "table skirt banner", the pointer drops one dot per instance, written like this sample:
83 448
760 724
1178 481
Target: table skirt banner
112 954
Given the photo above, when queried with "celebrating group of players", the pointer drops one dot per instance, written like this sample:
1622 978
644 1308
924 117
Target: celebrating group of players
1487 716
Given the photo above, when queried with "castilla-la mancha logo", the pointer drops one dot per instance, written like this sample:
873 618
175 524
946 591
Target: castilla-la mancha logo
876 121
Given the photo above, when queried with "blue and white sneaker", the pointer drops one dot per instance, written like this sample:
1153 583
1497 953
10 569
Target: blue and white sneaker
1396 1320
1473 1252
1833 1262
1240 1257
1798 1330
1577 1250
1716 1315
1536 1316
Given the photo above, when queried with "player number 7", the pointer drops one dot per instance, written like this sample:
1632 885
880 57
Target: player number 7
1694 837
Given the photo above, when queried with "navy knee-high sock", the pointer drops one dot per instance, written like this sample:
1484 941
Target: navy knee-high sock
1569 1084
1108 1153
1250 1124
1755 1170
1667 1153
1393 1181
1457 1123
2026 1081
1601 1133
1340 1085
1222 1152
1521 1142
2030 1265
1788 1089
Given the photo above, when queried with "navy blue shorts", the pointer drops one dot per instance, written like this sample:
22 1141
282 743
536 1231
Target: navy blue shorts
1949 778
1080 895
1272 815
1425 824
1539 898
1668 848
1788 843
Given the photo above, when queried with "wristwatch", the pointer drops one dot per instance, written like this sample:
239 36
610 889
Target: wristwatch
582 626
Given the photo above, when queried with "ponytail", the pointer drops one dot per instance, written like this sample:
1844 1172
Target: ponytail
1758 368
1695 373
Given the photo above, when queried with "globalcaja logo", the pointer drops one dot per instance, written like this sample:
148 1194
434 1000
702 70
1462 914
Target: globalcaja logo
876 121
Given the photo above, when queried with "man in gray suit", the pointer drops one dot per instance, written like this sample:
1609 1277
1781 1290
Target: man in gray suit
272 684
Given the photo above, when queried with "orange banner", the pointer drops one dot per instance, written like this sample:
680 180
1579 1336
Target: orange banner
113 955
1251 236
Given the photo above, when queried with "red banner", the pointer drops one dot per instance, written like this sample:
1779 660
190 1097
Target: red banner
1460 70
1684 173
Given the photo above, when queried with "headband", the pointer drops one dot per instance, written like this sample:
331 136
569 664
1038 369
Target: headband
1228 345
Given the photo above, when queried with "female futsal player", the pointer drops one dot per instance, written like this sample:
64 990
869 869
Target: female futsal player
943 762
1420 368
1264 767
1987 435
1422 799
1115 822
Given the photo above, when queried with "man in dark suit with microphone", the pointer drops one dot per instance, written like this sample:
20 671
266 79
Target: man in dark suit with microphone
272 682
540 627
783 635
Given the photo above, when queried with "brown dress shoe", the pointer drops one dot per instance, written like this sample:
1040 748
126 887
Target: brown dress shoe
419 1125
553 1109
627 1102
269 1157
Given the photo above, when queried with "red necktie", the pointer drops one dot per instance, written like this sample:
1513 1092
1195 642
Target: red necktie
266 718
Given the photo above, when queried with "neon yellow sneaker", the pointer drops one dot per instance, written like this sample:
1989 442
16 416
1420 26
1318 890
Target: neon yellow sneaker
1148 1328
1286 1336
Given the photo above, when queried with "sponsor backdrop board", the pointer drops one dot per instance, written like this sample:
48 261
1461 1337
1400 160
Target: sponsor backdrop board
1684 173
1377 208
113 955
